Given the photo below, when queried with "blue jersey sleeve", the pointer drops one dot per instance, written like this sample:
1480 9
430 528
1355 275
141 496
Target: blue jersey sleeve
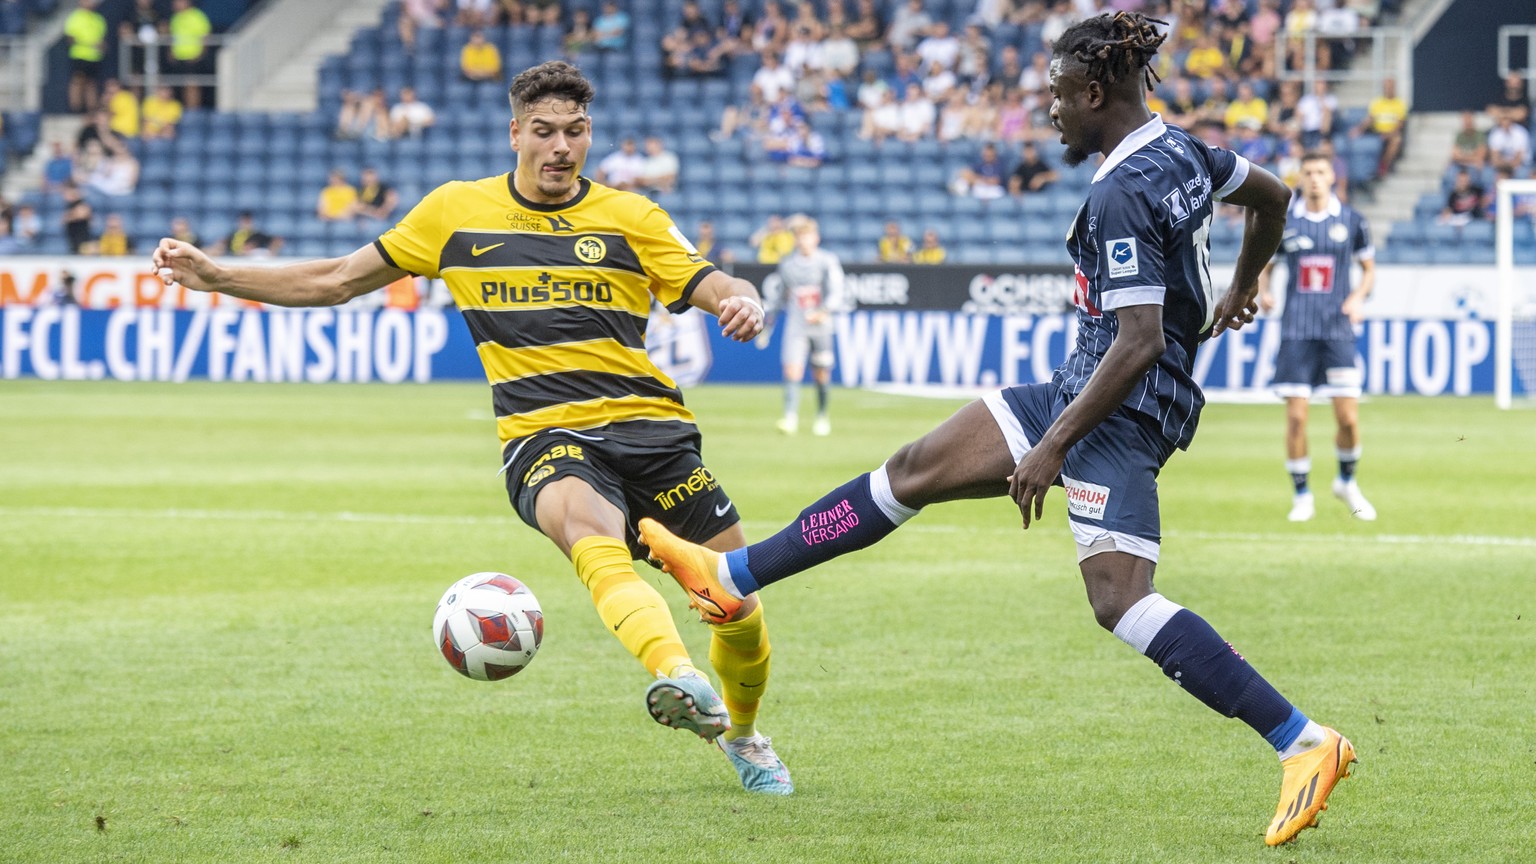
1362 239
1130 261
1228 170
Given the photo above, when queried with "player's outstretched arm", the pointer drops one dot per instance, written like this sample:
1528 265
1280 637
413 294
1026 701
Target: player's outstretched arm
324 282
1136 348
734 301
1266 199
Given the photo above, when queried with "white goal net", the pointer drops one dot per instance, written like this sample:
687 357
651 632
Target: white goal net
1515 334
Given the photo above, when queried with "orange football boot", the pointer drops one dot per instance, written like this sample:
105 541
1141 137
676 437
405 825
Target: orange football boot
694 568
1309 777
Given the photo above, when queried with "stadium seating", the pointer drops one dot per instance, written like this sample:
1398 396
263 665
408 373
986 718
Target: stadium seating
274 165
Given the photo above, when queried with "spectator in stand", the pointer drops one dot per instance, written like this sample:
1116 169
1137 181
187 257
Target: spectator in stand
541 13
249 241
479 60
189 48
1284 115
931 251
1010 120
1057 19
623 168
707 243
337 201
9 245
939 83
161 113
114 240
376 200
1248 141
1031 174
1248 106
771 29
410 116
772 78
363 114
675 48
1262 27
1523 206
872 90
806 148
867 28
803 53
1206 62
1036 78
839 54
694 20
1335 23
1315 111
1464 202
752 117
954 114
60 167
610 30
658 174
117 174
26 226
908 71
909 24
580 37
974 64
884 121
76 220
475 14
1386 117
1301 20
181 229
1469 150
939 46
773 241
983 178
706 57
416 14
1513 101
1184 107
1509 144
86 31
918 115
895 247
735 30
123 107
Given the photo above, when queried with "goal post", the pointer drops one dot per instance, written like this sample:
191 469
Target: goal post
1515 327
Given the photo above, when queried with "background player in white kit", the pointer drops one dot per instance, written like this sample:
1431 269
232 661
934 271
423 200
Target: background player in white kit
1323 239
809 290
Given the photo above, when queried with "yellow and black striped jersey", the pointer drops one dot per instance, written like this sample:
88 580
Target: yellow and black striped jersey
556 296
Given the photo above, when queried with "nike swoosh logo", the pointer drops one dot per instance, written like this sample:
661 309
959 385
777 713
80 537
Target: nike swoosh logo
723 508
626 618
750 686
476 251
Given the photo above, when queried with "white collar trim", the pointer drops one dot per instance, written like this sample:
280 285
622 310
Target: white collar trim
1299 209
1145 134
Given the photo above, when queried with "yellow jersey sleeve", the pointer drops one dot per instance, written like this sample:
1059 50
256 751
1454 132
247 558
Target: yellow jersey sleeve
676 268
416 243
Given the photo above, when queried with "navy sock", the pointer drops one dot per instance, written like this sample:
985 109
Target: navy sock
1192 654
844 520
821 399
1300 482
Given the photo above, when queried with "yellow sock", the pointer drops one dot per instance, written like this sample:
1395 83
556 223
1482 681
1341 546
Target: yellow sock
739 651
632 610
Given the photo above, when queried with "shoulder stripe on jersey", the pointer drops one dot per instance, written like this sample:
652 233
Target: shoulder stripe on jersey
531 328
496 250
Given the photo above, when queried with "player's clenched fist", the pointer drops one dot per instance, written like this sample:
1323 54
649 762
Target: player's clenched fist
741 318
176 261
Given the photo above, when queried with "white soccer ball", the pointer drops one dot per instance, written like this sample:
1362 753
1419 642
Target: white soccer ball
488 626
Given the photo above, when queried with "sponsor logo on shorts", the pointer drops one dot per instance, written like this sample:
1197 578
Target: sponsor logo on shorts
699 481
541 469
1087 500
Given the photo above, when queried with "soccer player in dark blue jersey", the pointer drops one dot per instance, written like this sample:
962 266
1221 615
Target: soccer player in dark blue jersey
1323 240
1112 415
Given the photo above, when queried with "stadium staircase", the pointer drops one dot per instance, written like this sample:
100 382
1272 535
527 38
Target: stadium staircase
291 86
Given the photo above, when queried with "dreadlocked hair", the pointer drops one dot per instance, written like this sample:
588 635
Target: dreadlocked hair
1114 47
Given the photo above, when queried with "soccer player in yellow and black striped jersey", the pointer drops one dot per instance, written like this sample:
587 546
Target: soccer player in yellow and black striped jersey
555 276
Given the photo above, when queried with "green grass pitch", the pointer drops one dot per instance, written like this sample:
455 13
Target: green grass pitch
214 646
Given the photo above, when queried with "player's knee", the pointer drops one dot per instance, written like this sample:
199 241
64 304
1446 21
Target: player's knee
909 473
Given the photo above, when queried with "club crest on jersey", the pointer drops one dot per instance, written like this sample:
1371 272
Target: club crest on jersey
1178 208
1338 233
1122 258
591 249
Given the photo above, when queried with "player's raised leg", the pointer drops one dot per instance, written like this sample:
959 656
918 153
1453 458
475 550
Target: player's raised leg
853 516
588 528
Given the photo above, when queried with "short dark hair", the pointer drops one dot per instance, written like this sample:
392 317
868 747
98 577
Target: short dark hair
1316 156
1114 46
557 79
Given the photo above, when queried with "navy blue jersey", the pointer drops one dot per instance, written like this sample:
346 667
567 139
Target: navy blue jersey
1144 237
1320 250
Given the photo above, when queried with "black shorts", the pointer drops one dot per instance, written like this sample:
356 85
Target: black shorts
89 68
644 468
